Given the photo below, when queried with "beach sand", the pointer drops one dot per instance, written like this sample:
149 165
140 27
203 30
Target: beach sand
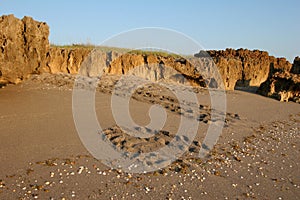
42 156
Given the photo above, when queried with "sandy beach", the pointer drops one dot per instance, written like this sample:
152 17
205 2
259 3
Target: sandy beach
42 155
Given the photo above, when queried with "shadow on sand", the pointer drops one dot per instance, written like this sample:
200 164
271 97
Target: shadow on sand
243 85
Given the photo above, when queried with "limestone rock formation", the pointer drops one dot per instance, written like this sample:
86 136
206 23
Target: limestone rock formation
156 68
245 68
23 47
145 65
65 60
283 86
237 68
25 50
97 62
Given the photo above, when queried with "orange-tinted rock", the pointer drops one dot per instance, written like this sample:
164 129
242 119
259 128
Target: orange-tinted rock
24 50
66 60
245 68
23 47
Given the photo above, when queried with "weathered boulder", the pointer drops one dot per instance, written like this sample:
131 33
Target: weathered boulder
23 47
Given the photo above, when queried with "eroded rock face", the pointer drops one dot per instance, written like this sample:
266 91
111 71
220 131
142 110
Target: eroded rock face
156 68
237 68
245 68
283 86
23 47
95 62
24 50
65 60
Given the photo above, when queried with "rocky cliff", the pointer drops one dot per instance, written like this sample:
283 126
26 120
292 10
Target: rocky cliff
284 86
25 50
23 47
245 68
157 67
65 60
154 67
237 68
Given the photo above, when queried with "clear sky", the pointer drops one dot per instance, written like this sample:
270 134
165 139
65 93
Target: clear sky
271 25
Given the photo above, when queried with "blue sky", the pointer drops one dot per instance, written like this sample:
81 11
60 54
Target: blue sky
270 25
